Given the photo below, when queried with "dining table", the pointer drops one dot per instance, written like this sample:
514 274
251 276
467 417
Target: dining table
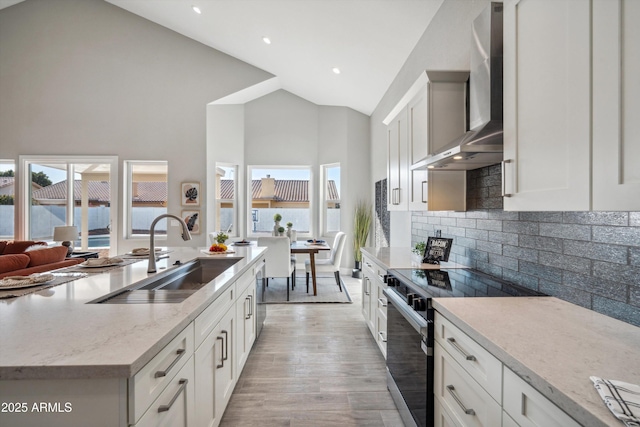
312 249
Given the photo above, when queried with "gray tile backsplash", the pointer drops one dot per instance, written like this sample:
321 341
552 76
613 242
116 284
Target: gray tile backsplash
588 258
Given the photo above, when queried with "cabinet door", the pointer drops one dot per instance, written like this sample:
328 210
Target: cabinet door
366 302
547 88
397 167
246 323
175 405
616 102
215 372
418 190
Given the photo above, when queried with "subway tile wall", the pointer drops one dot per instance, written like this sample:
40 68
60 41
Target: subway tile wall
588 258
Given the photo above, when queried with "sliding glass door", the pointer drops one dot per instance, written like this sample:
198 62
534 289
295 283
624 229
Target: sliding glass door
76 191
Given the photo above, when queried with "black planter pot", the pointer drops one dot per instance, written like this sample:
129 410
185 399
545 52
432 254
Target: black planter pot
356 272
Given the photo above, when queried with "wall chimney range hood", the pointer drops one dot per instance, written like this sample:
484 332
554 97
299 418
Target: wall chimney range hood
483 144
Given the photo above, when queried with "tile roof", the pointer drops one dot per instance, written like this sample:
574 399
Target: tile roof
286 190
6 181
99 191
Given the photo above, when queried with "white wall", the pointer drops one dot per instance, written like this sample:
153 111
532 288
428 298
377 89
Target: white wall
86 77
445 45
283 129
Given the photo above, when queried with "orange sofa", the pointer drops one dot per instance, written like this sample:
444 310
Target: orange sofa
15 260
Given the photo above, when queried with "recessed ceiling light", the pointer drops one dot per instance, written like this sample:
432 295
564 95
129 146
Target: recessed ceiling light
196 9
336 70
267 40
457 157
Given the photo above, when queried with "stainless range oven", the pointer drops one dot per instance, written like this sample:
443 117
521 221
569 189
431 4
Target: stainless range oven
410 330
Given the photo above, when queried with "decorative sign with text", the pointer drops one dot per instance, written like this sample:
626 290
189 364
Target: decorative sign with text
437 250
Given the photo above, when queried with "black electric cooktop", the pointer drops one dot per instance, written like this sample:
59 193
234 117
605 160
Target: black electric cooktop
452 283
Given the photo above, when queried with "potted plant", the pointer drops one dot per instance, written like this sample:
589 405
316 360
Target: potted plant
221 237
276 219
418 251
361 225
280 231
291 234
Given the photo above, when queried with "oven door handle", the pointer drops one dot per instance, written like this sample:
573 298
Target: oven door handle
417 322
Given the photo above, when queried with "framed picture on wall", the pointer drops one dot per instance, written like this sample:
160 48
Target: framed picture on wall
190 193
192 219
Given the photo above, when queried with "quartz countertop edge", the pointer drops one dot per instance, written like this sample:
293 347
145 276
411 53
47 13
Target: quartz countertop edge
80 340
554 346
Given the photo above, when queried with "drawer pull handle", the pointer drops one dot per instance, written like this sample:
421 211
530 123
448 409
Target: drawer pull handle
180 352
523 404
451 390
226 346
250 305
367 291
221 365
455 345
367 264
382 337
382 303
248 311
183 383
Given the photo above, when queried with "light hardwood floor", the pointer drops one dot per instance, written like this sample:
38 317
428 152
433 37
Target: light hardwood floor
314 365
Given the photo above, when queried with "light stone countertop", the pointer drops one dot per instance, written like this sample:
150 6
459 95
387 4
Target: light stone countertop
54 333
402 257
554 346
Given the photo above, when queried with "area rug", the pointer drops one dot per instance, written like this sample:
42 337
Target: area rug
328 292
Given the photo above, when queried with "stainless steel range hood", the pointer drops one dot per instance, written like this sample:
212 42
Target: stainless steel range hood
483 144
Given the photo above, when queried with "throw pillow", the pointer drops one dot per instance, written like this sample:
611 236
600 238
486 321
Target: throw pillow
47 256
19 246
3 244
13 262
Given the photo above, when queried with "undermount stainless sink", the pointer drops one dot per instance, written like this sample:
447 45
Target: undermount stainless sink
173 286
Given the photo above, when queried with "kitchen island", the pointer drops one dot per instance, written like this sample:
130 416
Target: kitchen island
82 359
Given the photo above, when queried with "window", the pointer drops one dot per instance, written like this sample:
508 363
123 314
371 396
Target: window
76 190
226 214
7 197
146 192
280 190
330 197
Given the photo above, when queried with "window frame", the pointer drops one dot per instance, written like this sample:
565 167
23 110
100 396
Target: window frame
324 180
12 163
236 199
127 190
311 193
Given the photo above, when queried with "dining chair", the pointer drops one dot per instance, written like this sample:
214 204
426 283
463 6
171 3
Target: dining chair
331 264
278 262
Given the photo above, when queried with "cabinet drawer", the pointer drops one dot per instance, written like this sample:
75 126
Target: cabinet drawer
381 300
175 405
528 407
381 332
441 418
153 378
462 397
478 362
377 271
211 315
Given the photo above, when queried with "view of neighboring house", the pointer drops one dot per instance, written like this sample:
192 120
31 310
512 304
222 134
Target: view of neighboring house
144 193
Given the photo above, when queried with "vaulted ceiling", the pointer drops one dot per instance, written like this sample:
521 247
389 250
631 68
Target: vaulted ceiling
367 40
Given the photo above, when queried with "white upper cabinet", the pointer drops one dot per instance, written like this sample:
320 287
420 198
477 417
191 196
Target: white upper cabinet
547 105
571 102
430 115
397 163
616 103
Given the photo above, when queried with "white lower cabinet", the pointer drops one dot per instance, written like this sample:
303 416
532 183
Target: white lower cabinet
215 372
461 396
374 303
245 320
175 405
528 407
473 388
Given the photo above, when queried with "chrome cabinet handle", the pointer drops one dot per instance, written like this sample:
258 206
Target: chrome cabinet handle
183 383
382 337
367 264
423 199
455 345
381 302
451 390
250 305
366 286
221 365
180 352
503 165
248 315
